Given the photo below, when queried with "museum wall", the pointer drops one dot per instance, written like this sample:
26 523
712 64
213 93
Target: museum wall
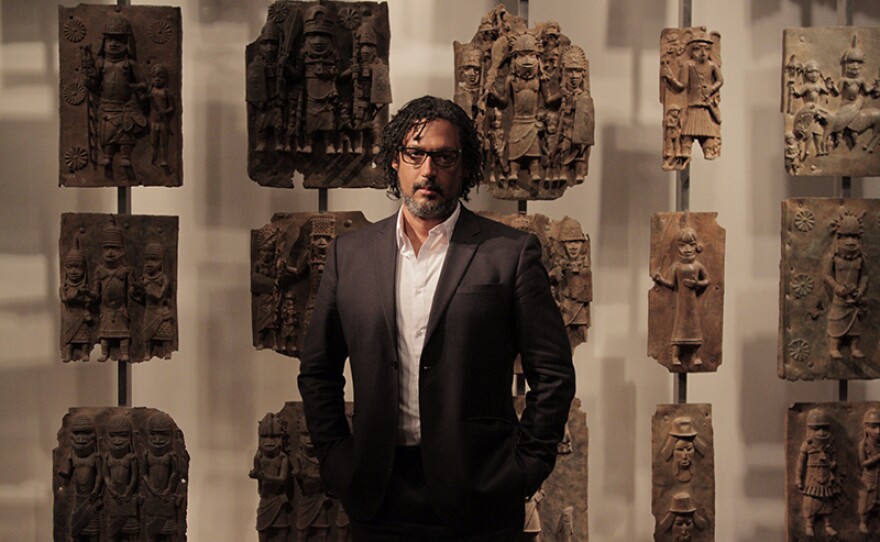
217 386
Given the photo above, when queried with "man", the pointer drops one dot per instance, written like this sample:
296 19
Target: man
432 306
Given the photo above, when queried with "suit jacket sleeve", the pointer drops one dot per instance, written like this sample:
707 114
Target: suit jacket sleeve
546 359
321 382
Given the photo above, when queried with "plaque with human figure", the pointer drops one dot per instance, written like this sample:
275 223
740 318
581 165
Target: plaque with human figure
120 96
686 304
293 504
119 475
566 256
830 93
528 93
287 260
557 512
832 471
683 473
318 92
118 286
690 91
829 310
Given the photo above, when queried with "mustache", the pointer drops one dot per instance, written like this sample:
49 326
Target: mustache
429 184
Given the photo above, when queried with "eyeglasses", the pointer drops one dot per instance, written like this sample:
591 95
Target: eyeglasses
415 156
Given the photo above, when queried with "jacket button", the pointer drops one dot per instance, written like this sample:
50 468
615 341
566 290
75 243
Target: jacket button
426 367
394 365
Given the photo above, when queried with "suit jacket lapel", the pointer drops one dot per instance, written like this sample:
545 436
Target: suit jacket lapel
385 273
462 246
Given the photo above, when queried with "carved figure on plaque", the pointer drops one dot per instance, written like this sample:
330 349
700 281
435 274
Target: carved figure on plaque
121 478
688 279
77 320
685 306
318 87
114 288
128 303
869 459
835 119
566 256
287 258
294 504
119 475
528 92
828 320
817 473
690 75
83 470
120 108
846 274
681 521
161 481
272 473
313 505
532 526
683 472
158 292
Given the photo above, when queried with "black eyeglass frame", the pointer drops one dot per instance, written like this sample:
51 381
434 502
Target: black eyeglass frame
438 157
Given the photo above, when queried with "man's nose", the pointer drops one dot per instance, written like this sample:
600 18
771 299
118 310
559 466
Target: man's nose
428 168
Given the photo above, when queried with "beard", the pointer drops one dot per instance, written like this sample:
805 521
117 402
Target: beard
440 207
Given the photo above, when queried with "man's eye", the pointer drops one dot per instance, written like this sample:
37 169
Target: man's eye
415 153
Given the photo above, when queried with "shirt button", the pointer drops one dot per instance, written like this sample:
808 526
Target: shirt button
420 332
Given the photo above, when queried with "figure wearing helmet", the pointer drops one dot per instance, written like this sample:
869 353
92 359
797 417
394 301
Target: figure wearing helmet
83 471
158 330
846 275
521 90
817 473
577 114
372 88
572 279
264 298
264 91
313 506
468 90
853 89
700 78
121 477
162 477
272 473
76 316
117 90
869 458
320 66
113 286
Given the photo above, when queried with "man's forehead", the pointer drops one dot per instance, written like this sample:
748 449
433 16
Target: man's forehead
421 128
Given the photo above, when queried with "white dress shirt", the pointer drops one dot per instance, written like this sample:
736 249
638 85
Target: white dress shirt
417 277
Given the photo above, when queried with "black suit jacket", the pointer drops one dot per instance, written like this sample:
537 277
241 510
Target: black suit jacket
492 303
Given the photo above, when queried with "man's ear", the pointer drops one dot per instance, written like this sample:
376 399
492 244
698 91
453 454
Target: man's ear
394 164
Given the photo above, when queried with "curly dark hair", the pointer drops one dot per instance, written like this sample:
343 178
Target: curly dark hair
414 115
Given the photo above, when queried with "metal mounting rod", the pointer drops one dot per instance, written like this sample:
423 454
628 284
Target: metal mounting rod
322 200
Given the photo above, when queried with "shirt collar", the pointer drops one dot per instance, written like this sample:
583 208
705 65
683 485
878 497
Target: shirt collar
444 228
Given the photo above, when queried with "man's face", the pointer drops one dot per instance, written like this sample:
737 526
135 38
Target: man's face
684 454
470 74
152 264
112 254
575 77
700 52
682 527
573 248
849 243
115 44
820 431
687 249
270 444
812 74
430 191
368 52
269 49
853 68
74 271
318 42
872 430
527 61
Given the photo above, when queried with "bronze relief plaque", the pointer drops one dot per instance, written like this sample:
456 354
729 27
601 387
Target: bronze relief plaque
830 92
528 93
566 256
287 259
686 304
829 309
119 474
683 473
118 286
120 96
318 91
832 457
690 91
294 505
